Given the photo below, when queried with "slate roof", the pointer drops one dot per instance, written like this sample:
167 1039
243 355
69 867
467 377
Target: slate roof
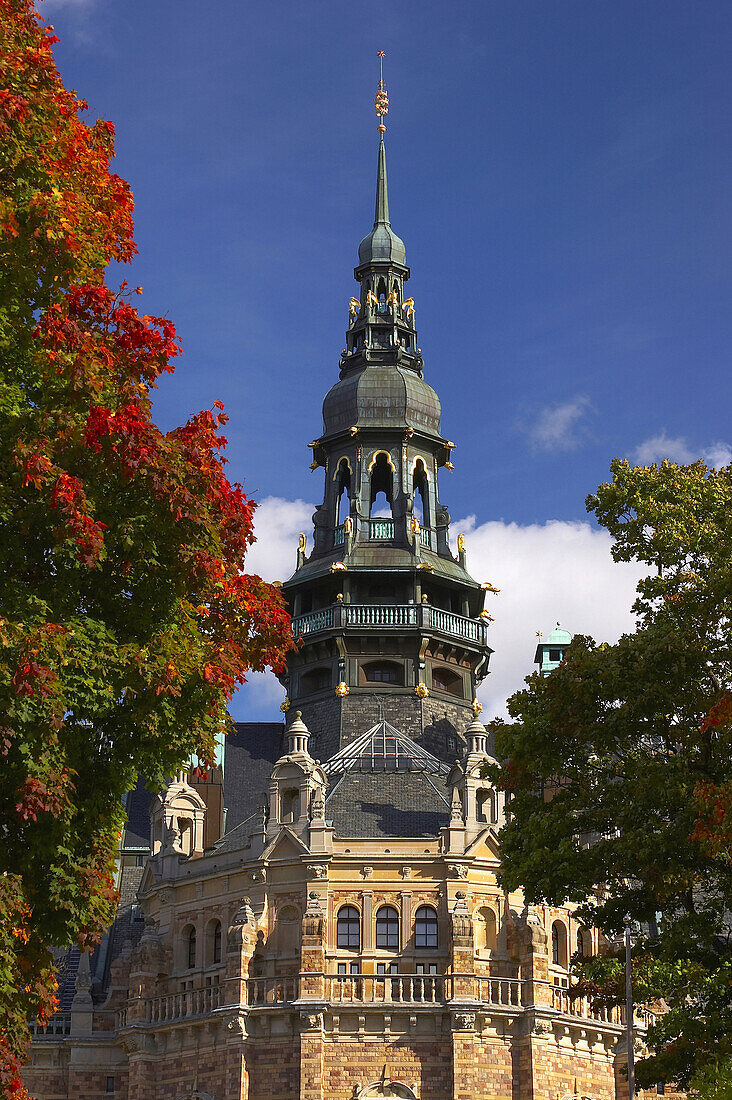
137 826
388 804
250 754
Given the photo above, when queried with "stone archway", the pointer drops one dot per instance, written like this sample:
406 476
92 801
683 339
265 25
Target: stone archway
385 1088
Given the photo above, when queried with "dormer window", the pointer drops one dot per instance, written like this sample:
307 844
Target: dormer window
555 654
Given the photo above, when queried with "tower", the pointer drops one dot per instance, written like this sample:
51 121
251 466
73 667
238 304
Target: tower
392 624
550 653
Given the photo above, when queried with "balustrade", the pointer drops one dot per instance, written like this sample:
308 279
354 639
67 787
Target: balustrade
381 528
271 991
385 988
359 614
322 619
339 535
501 991
59 1024
386 615
180 1006
426 537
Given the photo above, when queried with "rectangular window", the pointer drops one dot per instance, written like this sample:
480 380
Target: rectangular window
110 1084
555 654
426 968
387 968
342 968
355 968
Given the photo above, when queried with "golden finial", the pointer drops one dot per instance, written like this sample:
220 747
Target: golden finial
381 103
539 634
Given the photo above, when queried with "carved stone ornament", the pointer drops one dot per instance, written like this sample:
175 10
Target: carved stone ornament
541 1027
311 1020
138 1042
317 870
457 870
258 875
406 871
464 1021
367 871
244 914
237 1026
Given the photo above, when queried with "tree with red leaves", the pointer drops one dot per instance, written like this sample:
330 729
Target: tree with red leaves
126 618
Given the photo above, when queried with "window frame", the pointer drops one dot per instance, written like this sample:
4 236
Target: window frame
423 928
346 922
388 928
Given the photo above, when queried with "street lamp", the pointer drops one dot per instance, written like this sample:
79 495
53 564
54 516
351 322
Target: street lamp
629 1010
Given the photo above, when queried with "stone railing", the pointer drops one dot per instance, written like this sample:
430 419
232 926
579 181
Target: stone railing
385 988
184 1005
501 991
271 991
59 1024
389 615
322 619
339 535
561 1001
396 614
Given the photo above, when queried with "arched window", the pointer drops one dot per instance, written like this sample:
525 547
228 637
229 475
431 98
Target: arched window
191 954
383 672
382 482
425 927
349 927
290 805
444 679
317 679
486 929
212 947
287 930
485 806
420 493
559 944
343 490
387 928
584 942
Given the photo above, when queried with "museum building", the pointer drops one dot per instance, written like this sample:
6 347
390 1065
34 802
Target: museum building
320 918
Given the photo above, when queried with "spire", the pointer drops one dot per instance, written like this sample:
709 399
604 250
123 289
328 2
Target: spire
382 244
382 193
381 105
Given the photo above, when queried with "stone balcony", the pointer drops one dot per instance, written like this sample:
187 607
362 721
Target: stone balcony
390 616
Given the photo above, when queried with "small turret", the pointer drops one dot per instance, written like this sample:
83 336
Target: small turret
550 652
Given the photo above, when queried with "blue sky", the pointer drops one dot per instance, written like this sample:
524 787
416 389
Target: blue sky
560 173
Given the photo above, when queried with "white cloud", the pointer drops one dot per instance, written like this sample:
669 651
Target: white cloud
546 572
277 524
558 427
677 449
558 570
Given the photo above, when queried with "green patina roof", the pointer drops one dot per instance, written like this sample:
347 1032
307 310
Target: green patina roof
382 396
382 245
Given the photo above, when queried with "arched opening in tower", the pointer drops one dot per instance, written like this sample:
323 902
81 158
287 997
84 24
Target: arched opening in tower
420 493
343 492
382 485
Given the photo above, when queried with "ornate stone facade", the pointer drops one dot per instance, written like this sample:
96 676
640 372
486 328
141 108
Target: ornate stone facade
345 936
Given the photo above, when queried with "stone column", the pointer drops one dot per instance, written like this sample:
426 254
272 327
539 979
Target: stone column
463 952
312 1085
240 945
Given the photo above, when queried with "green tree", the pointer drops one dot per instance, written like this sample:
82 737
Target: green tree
620 768
126 618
